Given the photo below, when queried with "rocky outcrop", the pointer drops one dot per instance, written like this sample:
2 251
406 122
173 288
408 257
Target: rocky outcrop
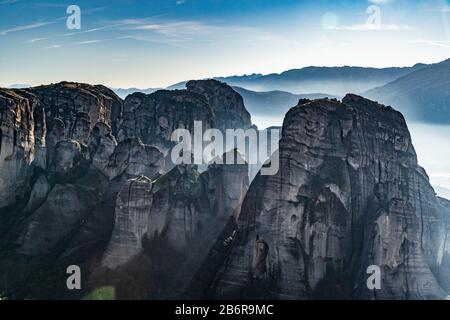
52 149
78 104
153 118
227 185
183 211
133 158
227 104
81 191
101 145
133 203
17 145
35 120
349 194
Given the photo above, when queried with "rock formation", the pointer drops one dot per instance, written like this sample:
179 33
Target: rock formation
83 180
80 174
227 104
154 117
68 101
183 210
349 194
17 144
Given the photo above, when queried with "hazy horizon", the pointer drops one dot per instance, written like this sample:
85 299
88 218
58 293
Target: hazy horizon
18 85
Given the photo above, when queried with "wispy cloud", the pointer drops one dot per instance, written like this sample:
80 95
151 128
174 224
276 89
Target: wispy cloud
88 42
36 40
436 43
55 46
84 31
370 27
9 1
25 27
178 43
185 31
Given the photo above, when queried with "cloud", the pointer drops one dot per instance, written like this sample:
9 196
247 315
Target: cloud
171 42
88 42
193 30
379 1
25 27
180 2
36 40
370 27
55 46
438 43
84 31
9 2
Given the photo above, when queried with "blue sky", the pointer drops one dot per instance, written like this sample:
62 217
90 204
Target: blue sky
156 43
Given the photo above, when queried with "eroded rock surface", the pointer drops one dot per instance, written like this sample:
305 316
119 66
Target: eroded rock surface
183 211
227 104
349 194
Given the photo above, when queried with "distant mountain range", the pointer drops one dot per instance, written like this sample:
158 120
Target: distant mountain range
333 80
420 92
422 95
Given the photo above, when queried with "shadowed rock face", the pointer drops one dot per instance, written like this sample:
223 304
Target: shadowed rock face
55 139
17 145
184 211
72 190
349 194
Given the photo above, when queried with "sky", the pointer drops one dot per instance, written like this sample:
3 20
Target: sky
156 43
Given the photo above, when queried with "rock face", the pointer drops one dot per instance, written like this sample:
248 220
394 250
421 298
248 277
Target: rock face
17 144
54 142
83 181
154 117
349 194
227 104
183 211
78 104
131 221
132 158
